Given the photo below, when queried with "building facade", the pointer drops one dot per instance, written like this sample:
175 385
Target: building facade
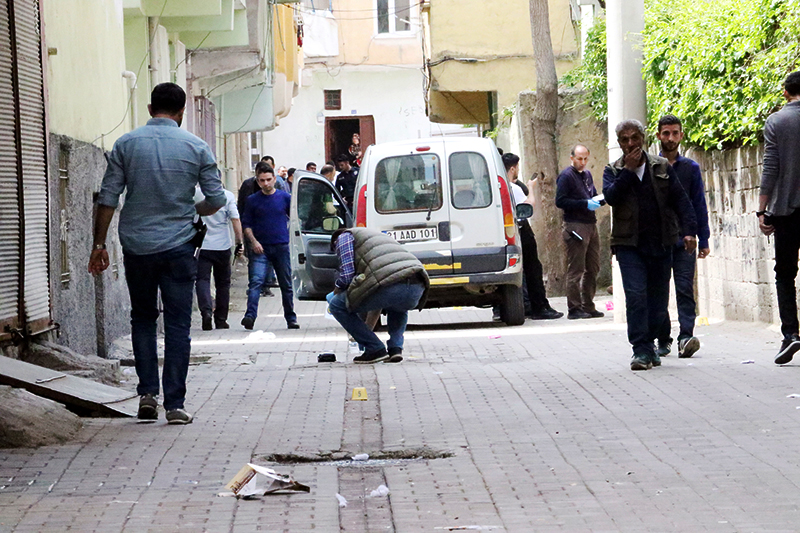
362 74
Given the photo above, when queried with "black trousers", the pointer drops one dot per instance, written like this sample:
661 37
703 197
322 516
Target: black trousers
220 262
532 269
787 245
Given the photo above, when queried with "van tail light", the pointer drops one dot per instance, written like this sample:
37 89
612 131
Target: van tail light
509 222
361 209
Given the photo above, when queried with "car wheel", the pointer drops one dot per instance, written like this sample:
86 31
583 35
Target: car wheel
512 310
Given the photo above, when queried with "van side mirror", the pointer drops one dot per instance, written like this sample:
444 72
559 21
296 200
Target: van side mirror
524 210
331 223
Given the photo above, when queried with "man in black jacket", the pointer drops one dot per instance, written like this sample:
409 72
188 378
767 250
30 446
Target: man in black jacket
779 208
650 212
574 194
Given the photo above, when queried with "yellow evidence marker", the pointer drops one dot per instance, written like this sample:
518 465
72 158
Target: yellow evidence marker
701 321
359 393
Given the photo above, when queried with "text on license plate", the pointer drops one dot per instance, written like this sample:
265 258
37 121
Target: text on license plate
411 235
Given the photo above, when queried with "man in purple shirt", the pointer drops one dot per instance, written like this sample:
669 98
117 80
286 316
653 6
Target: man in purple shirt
266 227
574 195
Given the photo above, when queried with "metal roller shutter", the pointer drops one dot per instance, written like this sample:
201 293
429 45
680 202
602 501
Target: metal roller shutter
9 193
36 289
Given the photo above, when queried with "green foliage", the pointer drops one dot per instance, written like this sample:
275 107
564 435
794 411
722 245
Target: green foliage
719 65
716 64
503 121
591 73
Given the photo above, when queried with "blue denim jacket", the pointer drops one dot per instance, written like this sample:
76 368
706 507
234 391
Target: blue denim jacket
158 166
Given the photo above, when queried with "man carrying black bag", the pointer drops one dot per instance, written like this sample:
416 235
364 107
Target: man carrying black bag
159 240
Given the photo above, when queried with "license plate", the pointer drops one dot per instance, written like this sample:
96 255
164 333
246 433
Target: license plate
414 235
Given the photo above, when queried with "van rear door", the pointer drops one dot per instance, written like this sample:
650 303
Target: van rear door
477 230
410 203
317 210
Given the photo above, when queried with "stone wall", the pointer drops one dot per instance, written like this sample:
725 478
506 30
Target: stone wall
91 312
575 124
736 282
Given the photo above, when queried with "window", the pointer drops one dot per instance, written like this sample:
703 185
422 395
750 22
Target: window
408 183
394 16
470 183
333 99
315 203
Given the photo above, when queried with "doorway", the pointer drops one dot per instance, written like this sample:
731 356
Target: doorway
339 134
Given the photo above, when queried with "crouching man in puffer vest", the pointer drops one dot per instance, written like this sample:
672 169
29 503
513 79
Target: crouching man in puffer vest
375 272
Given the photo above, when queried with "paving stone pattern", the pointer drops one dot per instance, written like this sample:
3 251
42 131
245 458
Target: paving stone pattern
548 429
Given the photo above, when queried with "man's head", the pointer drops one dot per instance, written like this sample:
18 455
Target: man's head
670 133
579 156
283 172
269 159
630 135
265 177
167 100
511 162
290 174
327 171
343 163
791 87
311 166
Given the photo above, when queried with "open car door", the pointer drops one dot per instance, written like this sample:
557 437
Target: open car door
317 211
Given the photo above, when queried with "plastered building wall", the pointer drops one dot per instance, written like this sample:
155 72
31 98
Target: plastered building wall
498 37
85 58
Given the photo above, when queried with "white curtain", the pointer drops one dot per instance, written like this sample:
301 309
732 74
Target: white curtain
480 177
392 166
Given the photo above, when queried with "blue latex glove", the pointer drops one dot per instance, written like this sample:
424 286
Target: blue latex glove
592 204
329 296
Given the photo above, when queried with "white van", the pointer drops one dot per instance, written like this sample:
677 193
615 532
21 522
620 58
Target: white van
447 200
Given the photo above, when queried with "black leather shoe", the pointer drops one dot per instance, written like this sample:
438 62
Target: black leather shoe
546 314
207 323
292 325
577 314
221 324
596 314
248 322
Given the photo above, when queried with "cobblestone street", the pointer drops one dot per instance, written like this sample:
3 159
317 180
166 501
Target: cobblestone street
541 427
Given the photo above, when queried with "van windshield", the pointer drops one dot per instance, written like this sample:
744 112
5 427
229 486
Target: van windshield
408 183
469 180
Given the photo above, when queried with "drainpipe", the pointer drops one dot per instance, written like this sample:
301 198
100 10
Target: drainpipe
131 77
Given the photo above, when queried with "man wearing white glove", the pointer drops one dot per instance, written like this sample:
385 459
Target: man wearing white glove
574 192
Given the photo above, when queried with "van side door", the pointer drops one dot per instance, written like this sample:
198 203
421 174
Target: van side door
317 210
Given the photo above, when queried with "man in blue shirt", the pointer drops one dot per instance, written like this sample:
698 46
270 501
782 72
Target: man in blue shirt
158 167
266 227
670 134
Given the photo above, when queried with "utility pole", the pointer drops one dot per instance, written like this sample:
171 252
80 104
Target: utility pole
626 87
627 98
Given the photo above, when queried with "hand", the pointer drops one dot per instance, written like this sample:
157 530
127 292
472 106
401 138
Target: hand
257 248
702 253
690 243
532 183
98 261
592 204
239 250
766 229
633 159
